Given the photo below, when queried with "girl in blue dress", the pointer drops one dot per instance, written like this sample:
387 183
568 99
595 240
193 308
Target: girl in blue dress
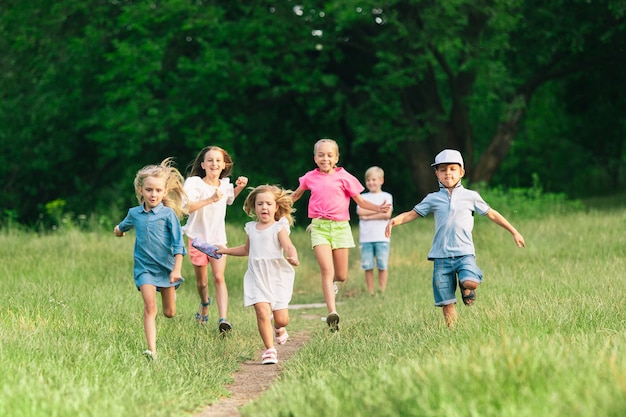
159 245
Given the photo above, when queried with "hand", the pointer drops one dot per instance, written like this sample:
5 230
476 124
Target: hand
293 261
175 276
118 232
241 182
220 249
217 196
384 207
519 240
390 224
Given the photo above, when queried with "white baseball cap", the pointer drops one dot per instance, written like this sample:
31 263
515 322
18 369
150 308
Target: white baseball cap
448 156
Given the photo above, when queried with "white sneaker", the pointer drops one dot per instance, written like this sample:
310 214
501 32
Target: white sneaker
269 357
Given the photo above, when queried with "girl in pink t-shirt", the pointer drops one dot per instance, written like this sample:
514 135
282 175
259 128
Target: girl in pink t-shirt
331 236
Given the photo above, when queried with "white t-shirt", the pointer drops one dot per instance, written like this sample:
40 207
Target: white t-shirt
208 223
374 230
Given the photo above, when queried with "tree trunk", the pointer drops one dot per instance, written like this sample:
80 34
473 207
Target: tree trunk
492 158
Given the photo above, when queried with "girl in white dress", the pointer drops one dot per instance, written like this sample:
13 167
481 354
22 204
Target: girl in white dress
268 282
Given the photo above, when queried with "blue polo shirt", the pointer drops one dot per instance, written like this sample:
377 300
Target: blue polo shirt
454 220
158 237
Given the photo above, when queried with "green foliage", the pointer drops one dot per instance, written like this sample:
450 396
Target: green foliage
528 202
95 90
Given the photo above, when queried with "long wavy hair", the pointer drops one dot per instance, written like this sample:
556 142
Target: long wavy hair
175 196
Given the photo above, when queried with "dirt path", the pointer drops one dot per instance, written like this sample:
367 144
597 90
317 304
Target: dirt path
253 378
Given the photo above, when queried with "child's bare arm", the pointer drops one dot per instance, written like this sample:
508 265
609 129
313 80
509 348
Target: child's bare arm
240 184
291 254
361 202
295 196
499 219
372 215
242 250
176 273
407 216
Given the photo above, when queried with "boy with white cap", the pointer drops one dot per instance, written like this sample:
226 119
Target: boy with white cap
452 249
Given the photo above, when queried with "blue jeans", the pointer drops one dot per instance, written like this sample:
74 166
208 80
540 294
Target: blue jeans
445 273
371 251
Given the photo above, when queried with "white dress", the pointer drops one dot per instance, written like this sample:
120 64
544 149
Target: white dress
269 278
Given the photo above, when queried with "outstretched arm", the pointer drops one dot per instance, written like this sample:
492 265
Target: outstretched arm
499 219
383 208
242 250
407 216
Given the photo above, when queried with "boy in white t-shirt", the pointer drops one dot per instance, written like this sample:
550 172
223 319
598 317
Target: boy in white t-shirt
373 244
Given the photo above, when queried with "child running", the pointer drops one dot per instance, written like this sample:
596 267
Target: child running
268 282
452 251
331 237
373 243
159 244
209 190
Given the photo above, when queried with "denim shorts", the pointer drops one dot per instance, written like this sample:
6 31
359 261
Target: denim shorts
445 274
337 234
371 251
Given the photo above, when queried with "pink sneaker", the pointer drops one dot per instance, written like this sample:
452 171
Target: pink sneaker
206 248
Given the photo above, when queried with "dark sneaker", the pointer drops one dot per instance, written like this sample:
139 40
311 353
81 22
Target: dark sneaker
333 321
224 326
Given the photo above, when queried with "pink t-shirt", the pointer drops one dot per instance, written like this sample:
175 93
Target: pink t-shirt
330 193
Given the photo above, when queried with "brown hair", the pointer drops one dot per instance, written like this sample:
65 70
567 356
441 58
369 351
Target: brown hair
196 169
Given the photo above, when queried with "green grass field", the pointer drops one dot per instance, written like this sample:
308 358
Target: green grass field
546 336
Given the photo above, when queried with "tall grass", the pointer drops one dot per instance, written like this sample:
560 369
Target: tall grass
545 337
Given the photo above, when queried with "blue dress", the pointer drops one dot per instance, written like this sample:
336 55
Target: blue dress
159 237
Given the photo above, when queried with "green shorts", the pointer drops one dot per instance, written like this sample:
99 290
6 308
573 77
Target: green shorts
337 234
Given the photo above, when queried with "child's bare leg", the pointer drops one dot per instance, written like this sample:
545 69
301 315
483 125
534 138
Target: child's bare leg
340 262
324 256
382 279
218 266
148 293
281 318
369 280
168 300
264 323
202 284
449 314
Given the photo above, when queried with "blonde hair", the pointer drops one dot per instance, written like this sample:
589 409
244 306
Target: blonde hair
284 203
326 140
174 193
374 171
